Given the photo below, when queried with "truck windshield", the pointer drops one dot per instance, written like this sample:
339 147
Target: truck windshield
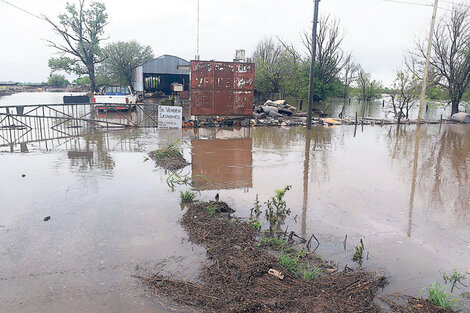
116 90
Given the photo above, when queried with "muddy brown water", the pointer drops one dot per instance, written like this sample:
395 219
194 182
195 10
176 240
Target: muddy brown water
112 214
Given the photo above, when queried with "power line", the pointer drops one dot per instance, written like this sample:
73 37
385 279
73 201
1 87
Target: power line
21 9
415 3
408 2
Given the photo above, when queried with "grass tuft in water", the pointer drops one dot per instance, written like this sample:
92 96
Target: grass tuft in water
187 196
439 297
453 277
172 150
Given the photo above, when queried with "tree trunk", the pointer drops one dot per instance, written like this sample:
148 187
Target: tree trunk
455 106
91 74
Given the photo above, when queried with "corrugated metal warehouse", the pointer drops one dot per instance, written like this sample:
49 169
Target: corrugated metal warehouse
158 74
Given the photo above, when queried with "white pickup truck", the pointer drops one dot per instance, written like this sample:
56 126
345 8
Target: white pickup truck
115 98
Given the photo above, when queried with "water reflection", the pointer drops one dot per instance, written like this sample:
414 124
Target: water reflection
440 168
308 139
225 162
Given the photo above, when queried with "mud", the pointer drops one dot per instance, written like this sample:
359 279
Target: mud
237 279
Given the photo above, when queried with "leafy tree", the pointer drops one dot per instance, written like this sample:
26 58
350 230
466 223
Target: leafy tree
281 68
368 89
58 81
122 57
101 80
81 30
268 72
404 93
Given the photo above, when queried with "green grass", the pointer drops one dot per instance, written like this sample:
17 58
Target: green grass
275 243
211 210
187 196
289 262
309 273
440 297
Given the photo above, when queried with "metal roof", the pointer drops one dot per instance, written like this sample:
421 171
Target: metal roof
166 64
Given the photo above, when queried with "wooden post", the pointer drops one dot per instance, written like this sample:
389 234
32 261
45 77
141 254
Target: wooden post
440 122
356 118
312 65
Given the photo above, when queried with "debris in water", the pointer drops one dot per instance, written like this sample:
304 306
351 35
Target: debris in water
23 175
47 218
276 273
217 197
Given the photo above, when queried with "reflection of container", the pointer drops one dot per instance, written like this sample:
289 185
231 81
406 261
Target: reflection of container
461 117
225 163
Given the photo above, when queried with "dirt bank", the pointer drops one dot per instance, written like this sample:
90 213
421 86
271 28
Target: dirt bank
237 279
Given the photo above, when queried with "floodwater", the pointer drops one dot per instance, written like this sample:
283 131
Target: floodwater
112 213
383 108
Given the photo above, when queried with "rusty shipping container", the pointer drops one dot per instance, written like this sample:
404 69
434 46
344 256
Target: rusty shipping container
222 88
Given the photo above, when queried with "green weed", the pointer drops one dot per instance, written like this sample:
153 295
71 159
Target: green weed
211 210
453 277
440 297
175 180
255 223
359 254
277 209
187 196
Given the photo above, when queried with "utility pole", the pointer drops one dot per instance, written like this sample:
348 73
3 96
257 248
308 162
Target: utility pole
426 66
312 65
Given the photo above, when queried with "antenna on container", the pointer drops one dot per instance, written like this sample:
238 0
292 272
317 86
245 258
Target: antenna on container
197 49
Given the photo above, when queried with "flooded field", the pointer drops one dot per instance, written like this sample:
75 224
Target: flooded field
113 214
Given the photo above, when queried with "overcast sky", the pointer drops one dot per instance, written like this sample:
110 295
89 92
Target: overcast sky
376 32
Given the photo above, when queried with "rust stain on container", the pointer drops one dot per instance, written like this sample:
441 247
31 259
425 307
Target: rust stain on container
222 88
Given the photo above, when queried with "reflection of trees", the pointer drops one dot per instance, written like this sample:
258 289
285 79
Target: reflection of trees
444 161
283 140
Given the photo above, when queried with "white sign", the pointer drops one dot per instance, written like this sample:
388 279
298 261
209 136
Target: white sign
170 117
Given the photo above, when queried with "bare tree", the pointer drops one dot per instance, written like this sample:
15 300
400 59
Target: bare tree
81 30
330 58
450 58
350 71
